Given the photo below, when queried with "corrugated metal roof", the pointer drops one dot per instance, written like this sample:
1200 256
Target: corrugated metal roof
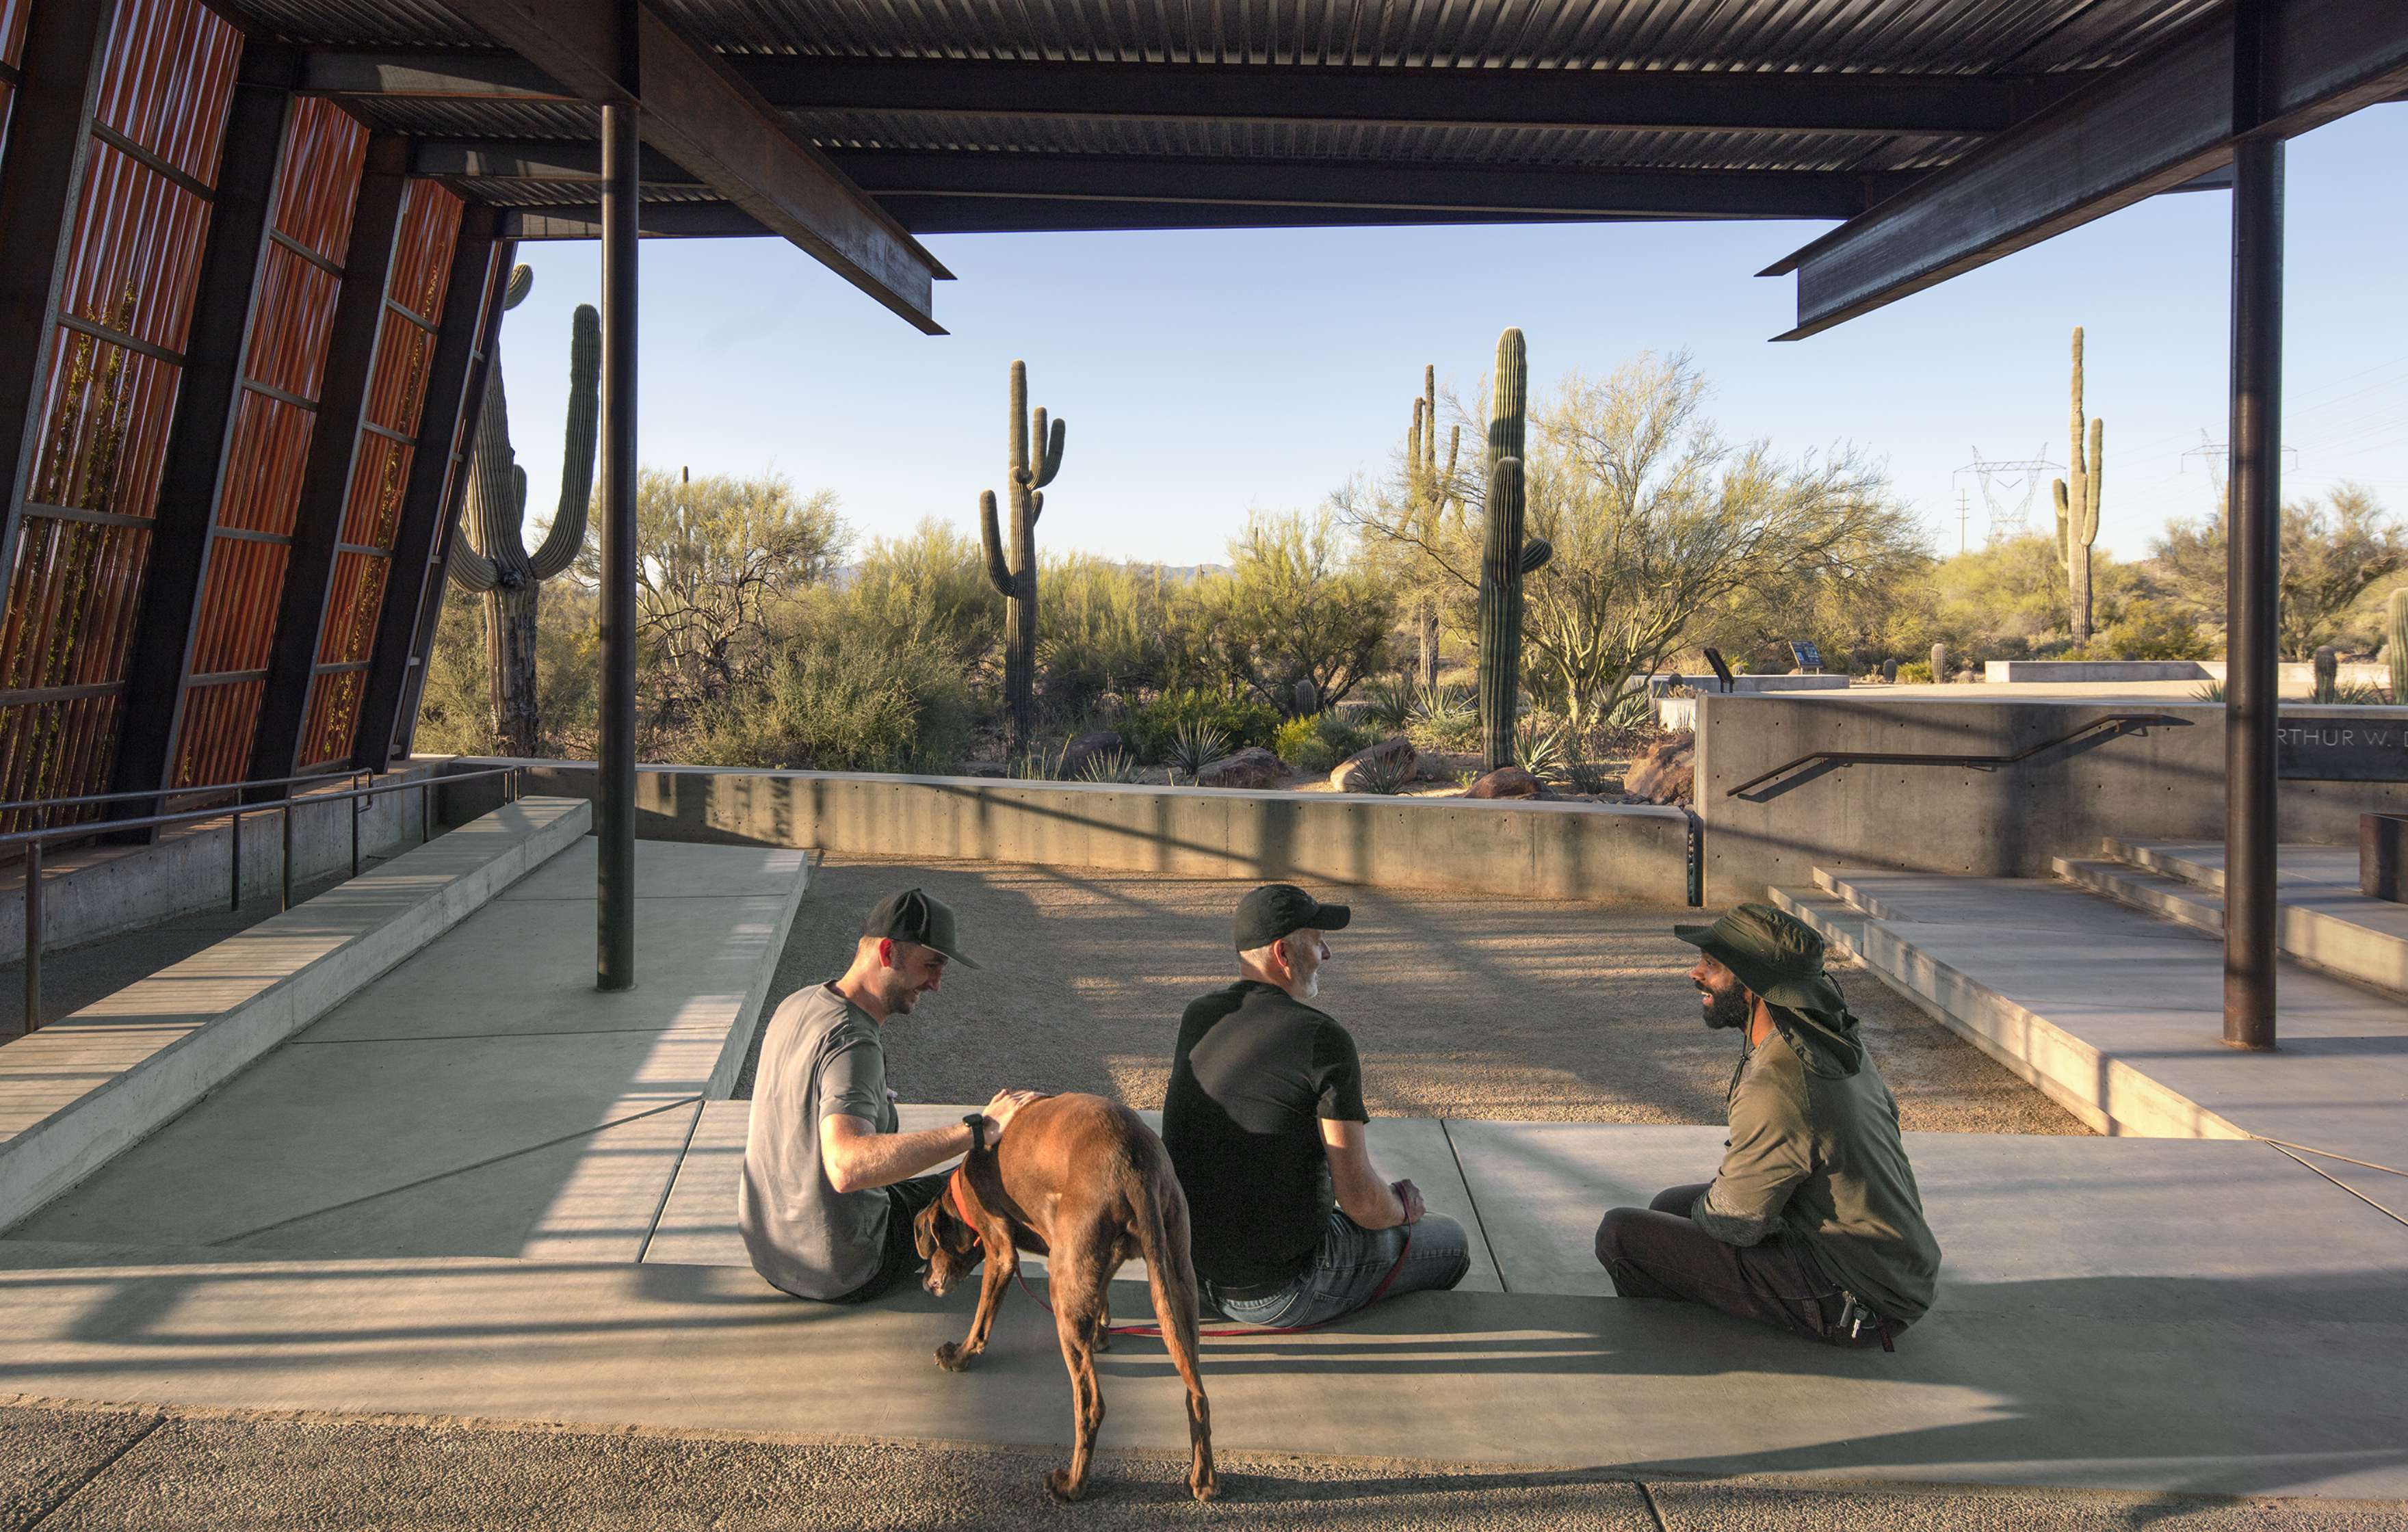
1923 36
1823 37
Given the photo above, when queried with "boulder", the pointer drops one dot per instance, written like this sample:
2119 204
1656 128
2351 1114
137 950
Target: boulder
1252 766
1667 773
1347 776
1079 752
1506 781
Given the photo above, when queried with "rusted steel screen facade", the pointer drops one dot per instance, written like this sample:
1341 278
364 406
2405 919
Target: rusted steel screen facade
133 256
12 56
413 309
318 184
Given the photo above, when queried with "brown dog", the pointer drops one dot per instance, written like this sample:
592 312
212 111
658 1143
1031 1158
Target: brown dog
1084 1183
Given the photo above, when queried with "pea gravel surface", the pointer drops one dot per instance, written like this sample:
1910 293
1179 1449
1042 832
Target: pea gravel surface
1462 1006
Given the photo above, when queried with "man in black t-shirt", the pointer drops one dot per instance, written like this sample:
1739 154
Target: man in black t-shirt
1293 1224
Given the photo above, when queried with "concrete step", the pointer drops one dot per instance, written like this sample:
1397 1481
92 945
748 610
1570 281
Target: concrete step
2116 1014
2322 920
82 1091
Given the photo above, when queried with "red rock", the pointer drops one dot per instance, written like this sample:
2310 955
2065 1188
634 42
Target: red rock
1252 766
1506 781
1667 773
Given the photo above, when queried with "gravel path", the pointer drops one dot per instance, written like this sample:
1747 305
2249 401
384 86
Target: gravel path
1463 1006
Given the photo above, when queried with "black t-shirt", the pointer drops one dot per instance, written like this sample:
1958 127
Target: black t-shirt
1254 1074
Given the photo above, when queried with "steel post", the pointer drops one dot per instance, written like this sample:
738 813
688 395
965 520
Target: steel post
235 861
2253 525
33 935
614 961
287 897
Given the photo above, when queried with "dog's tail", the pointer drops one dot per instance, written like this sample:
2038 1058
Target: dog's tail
1161 1237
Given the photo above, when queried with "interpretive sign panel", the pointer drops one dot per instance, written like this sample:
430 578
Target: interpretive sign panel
2343 750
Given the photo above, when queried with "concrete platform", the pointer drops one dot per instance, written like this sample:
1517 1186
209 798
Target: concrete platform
2167 1317
78 1092
482 1098
2119 1016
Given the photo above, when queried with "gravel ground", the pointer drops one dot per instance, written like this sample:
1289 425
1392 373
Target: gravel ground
77 1469
1463 1006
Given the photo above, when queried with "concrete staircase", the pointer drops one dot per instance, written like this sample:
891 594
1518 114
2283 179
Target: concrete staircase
2115 1010
2325 921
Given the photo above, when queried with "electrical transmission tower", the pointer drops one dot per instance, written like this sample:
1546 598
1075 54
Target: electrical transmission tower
2215 456
2007 488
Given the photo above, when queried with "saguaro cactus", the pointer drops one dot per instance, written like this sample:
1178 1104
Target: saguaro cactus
1430 491
2395 644
2077 506
1940 665
1017 578
2326 662
1505 557
493 558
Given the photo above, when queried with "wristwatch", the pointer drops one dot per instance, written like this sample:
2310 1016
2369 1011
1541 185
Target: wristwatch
976 1123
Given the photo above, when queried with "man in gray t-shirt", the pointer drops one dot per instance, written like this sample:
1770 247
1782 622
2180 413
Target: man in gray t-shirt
830 1187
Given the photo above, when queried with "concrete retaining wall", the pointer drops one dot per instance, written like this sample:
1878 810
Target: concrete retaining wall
97 891
1601 853
2092 670
2009 822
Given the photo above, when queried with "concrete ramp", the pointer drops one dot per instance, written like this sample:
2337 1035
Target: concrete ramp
84 1088
482 1098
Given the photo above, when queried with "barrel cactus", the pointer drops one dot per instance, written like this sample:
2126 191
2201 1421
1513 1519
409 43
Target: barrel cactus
2395 644
1506 557
2077 506
1939 663
1016 579
491 559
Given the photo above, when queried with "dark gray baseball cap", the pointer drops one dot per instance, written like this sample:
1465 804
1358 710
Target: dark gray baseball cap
1274 909
913 915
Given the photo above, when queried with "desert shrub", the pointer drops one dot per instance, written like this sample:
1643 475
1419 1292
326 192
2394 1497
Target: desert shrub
1112 766
846 702
2149 630
1443 718
1914 672
927 588
1153 728
1317 743
1388 702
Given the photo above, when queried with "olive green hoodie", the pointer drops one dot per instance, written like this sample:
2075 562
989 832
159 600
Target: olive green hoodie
1815 1154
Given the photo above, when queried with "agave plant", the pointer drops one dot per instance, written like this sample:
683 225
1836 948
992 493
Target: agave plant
1196 746
1112 766
1443 717
1539 745
2212 692
1383 775
1630 710
1389 703
1585 770
1038 765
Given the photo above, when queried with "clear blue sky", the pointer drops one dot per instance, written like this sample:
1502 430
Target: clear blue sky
1205 374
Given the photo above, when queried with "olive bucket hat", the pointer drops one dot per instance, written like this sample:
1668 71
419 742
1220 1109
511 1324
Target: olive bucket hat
1775 954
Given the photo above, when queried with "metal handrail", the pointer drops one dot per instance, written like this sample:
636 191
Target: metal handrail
2118 722
33 841
354 773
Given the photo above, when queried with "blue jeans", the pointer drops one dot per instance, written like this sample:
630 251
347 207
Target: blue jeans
1350 1265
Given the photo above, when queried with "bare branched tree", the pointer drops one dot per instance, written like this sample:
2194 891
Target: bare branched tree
1657 522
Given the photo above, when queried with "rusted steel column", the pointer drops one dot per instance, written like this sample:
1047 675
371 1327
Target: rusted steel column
615 963
2253 525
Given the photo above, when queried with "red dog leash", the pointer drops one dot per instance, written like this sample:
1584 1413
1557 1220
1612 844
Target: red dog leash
961 1212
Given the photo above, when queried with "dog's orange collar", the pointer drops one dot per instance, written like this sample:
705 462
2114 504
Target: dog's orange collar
953 1194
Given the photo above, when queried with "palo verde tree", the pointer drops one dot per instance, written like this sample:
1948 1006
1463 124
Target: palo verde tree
1017 578
492 558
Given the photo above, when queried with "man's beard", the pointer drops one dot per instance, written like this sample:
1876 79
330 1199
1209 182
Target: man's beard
1727 1008
1311 985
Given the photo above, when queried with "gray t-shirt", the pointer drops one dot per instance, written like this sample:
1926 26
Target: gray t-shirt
821 1058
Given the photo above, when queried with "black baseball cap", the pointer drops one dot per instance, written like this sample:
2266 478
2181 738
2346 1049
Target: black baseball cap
912 915
1274 909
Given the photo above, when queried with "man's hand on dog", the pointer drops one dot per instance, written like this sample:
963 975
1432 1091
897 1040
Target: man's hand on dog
999 1111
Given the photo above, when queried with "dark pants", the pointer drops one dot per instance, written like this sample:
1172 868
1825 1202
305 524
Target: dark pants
900 1260
1657 1253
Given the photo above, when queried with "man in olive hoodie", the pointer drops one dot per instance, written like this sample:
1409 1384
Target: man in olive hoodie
1814 1222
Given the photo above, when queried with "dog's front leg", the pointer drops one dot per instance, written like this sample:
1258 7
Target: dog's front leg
1002 1263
